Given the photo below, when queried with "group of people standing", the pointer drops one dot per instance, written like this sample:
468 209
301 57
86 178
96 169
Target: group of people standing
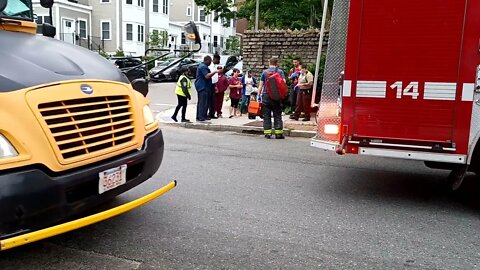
211 84
302 90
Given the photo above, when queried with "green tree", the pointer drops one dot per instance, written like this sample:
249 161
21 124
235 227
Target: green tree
158 39
281 14
233 45
119 53
222 7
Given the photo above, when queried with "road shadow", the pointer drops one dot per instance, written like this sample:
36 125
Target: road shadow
410 188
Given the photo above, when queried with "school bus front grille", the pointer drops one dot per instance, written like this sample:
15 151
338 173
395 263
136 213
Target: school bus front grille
85 126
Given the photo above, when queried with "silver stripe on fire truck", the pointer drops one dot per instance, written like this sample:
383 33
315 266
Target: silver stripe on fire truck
332 146
467 92
347 88
415 155
440 91
371 89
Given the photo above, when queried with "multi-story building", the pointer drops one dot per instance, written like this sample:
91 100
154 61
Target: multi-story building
109 25
73 19
126 25
212 32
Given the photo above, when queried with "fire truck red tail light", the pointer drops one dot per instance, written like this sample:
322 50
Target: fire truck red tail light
331 129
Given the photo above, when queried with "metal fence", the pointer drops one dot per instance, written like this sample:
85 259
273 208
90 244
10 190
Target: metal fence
330 101
89 42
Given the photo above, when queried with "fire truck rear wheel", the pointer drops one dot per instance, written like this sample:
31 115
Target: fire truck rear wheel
455 178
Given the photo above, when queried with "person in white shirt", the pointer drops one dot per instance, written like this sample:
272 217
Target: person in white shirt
211 93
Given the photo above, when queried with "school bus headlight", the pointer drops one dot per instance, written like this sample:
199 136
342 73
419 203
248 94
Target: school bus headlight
148 115
331 129
6 148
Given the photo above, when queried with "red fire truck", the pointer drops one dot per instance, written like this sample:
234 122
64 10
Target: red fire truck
411 85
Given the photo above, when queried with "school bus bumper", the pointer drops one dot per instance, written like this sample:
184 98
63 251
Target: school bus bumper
34 198
79 223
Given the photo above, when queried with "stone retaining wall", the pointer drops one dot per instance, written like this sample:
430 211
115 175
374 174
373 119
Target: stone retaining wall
259 46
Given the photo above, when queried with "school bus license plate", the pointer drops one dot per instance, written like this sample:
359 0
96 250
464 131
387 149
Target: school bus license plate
112 178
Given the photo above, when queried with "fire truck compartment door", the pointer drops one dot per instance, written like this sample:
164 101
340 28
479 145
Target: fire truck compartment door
405 81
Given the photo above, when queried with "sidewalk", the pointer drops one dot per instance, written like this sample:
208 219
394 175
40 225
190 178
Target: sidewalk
237 124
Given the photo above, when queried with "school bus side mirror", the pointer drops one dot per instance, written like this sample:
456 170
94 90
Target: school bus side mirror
140 85
46 3
48 30
3 5
192 32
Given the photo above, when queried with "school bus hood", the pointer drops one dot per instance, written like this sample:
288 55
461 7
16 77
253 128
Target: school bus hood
27 60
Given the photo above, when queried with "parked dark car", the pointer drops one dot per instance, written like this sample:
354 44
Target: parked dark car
173 73
125 64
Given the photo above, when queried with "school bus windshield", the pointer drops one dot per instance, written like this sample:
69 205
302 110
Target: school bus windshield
18 9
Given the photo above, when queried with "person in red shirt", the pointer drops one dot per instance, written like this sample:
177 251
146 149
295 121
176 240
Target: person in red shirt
220 88
235 93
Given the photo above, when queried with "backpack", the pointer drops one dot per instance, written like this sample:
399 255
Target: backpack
276 87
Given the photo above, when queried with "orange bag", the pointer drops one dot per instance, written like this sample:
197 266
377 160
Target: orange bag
254 109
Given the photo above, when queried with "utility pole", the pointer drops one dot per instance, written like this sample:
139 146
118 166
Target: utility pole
256 15
319 53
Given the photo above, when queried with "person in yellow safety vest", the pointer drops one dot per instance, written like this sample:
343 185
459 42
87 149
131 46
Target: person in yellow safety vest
184 93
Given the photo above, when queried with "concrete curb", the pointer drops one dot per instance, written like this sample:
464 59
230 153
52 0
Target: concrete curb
239 129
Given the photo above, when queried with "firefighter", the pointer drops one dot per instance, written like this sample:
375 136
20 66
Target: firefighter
184 93
269 105
304 96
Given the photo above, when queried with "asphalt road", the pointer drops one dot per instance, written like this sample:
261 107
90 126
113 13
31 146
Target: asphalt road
162 96
243 202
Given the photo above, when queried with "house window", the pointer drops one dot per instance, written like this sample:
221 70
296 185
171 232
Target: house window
215 17
202 15
140 36
140 3
184 41
105 1
165 6
82 28
215 41
43 19
105 30
189 11
129 2
155 5
129 31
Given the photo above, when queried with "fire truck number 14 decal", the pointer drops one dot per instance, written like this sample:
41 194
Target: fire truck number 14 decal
410 90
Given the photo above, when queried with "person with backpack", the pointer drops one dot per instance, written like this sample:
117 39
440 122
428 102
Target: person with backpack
184 93
273 89
304 96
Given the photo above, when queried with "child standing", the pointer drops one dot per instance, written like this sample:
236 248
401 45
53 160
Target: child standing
249 83
235 93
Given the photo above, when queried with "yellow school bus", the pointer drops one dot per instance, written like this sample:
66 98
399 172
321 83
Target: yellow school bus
74 132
